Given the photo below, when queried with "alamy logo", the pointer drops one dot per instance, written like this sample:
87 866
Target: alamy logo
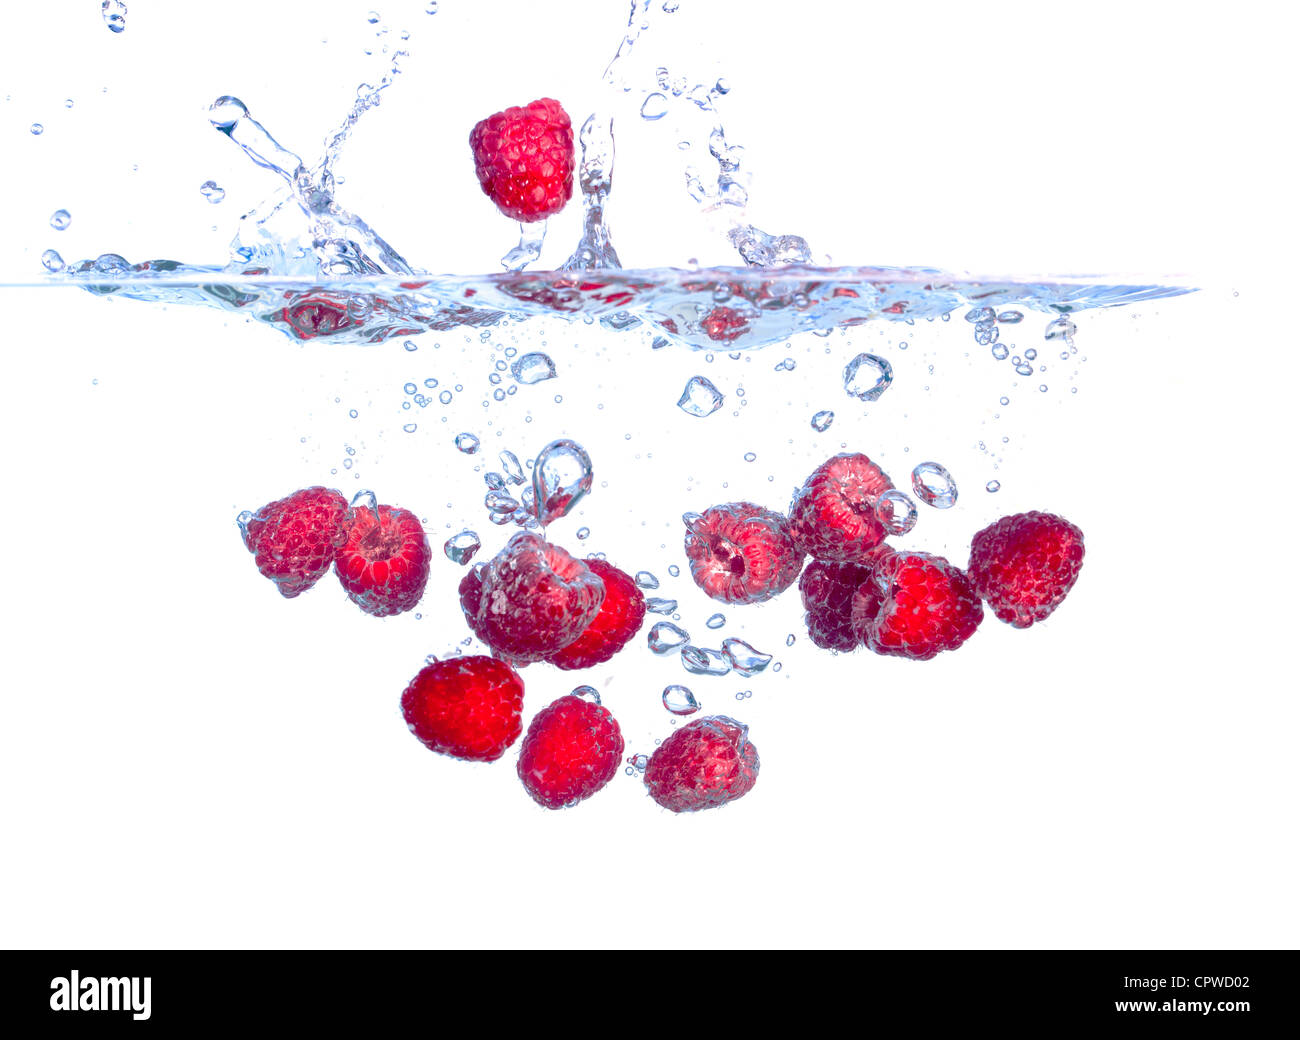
95 994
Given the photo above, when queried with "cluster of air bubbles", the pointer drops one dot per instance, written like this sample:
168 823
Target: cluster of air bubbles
700 398
460 548
60 219
934 485
716 621
646 580
665 637
212 191
467 443
701 661
896 511
680 700
114 12
784 366
743 658
636 764
867 376
561 479
821 422
533 368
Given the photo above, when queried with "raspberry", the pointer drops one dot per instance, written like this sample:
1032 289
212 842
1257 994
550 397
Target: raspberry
572 750
833 516
827 590
384 565
616 622
466 707
294 539
742 553
915 605
1023 565
531 600
703 765
524 159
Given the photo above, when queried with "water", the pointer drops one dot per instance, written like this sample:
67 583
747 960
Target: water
253 384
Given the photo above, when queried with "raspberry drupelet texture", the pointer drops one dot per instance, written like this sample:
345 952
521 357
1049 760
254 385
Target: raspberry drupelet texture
833 516
616 622
915 605
741 553
384 564
465 707
827 590
524 159
1023 565
294 539
572 749
705 764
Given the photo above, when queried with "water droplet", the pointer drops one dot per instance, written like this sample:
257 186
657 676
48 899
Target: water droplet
680 700
1011 317
1004 401
655 106
60 219
587 693
993 486
750 456
561 478
666 637
373 18
460 548
52 261
700 398
409 428
37 129
533 368
410 345
699 661
743 658
659 605
1000 351
821 422
646 580
866 377
1042 388
212 191
514 471
431 7
467 443
114 12
896 512
716 621
1061 328
934 485
789 640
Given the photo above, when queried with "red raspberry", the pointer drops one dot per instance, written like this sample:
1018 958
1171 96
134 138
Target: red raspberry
723 324
524 159
915 605
827 590
384 565
294 539
466 707
533 599
1023 565
616 622
742 553
572 749
833 516
703 765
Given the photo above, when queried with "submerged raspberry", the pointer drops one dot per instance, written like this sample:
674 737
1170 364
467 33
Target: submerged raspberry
294 539
703 765
833 516
384 565
466 707
572 749
618 620
531 600
742 553
827 590
1023 565
915 605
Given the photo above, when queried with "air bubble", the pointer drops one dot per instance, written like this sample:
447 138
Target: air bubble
467 443
716 621
700 398
114 12
533 368
680 700
896 512
460 548
561 479
60 219
867 376
821 422
665 637
934 485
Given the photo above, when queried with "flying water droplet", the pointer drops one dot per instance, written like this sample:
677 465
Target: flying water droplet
52 262
700 398
646 580
699 661
821 422
665 637
460 548
114 12
896 512
934 485
655 106
467 443
680 700
866 377
659 605
533 368
60 219
716 621
561 478
743 658
212 191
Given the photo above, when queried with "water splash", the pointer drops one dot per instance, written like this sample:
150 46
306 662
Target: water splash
595 179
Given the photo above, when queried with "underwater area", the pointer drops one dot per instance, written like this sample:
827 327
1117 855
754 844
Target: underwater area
978 246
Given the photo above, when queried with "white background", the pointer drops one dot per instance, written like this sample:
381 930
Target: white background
189 760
